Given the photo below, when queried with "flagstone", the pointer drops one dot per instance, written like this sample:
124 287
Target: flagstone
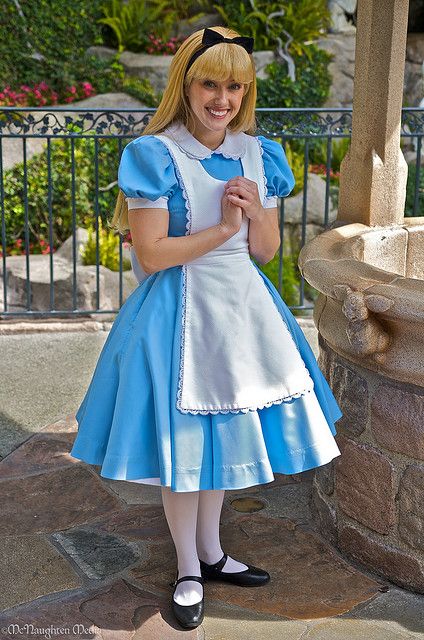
31 567
234 623
287 501
53 501
137 522
308 578
98 554
118 611
354 630
41 452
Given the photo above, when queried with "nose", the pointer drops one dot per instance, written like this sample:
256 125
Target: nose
221 96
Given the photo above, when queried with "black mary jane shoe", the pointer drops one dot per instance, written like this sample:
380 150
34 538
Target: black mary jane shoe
190 615
250 577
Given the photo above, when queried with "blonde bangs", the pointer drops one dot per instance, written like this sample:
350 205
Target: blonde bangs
221 62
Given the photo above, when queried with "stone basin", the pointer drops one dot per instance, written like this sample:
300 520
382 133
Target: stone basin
371 307
370 318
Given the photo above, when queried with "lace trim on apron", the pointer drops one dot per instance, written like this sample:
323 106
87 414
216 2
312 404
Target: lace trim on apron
231 408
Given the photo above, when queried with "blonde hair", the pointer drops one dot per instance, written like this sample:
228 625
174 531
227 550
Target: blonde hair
218 63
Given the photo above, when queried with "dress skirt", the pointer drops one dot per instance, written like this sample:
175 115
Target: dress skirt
129 424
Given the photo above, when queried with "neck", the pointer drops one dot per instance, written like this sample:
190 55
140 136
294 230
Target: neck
210 139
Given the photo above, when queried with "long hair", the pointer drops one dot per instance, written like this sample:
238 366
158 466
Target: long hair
218 63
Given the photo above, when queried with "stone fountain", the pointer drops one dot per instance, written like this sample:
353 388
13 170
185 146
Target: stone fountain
369 270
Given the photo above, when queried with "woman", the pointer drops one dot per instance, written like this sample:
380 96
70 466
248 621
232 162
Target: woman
206 381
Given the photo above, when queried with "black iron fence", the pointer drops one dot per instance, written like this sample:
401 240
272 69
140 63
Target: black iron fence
58 170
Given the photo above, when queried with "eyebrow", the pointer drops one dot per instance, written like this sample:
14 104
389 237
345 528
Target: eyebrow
229 81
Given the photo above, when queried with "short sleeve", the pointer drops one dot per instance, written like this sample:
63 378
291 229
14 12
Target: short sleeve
279 177
146 173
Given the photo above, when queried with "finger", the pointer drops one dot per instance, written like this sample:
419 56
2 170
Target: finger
241 181
237 200
240 190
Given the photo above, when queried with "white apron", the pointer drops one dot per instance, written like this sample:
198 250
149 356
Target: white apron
237 353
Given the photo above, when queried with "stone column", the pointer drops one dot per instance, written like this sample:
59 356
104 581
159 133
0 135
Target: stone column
374 172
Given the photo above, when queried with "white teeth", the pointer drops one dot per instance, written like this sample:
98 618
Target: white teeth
218 113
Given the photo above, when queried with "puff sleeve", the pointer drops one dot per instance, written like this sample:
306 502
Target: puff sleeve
146 173
279 177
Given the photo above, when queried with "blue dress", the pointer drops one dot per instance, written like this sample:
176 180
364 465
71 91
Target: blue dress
128 422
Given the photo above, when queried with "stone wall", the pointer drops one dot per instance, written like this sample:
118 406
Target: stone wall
369 501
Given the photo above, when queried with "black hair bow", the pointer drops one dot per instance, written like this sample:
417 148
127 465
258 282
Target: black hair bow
211 37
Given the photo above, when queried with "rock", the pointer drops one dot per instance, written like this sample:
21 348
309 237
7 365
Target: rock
65 251
184 28
342 46
315 204
103 53
413 84
342 67
143 65
339 10
156 68
39 270
262 59
415 47
414 74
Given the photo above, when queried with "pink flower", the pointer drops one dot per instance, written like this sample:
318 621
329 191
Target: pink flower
73 89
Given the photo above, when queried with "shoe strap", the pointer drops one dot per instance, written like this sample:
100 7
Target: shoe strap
218 565
196 578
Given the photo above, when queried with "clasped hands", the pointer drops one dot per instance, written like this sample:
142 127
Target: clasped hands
244 193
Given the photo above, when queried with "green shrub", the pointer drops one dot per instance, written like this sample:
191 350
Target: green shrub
131 22
61 180
60 33
304 20
296 163
108 248
291 278
290 282
141 89
143 25
311 88
318 151
410 191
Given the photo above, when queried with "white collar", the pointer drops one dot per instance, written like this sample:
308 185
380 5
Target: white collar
233 146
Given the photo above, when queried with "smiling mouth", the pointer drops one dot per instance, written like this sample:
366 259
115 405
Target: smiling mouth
219 114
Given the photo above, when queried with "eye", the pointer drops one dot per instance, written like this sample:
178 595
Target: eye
209 83
235 86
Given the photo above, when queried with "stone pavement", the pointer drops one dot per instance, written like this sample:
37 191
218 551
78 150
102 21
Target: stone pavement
88 557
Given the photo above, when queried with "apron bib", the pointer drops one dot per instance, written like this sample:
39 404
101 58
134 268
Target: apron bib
237 353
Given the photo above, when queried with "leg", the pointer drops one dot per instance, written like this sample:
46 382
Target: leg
207 535
181 514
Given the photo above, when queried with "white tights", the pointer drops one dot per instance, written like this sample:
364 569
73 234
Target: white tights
193 520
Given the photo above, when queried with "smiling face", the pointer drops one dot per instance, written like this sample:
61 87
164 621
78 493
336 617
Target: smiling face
213 105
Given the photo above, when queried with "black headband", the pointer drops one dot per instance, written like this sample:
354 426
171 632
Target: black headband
211 37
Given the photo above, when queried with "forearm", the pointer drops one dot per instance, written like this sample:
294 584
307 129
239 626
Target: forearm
264 236
172 251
